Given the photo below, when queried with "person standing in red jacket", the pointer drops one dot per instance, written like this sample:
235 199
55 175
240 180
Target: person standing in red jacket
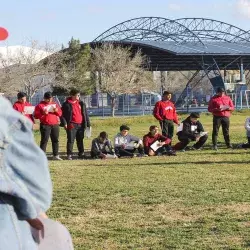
163 143
221 107
20 105
165 113
48 112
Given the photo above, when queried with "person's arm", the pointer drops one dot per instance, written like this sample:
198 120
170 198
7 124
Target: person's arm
58 111
38 113
199 127
95 147
231 105
156 112
247 124
187 131
176 121
15 107
86 116
164 139
24 172
146 144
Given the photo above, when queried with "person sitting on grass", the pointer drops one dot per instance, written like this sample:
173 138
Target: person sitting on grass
102 147
126 144
247 127
192 130
156 144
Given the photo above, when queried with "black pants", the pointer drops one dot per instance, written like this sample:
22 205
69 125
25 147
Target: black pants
75 131
184 141
51 131
167 127
128 152
224 123
246 145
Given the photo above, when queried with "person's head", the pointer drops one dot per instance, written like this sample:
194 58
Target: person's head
166 96
124 130
220 91
48 97
75 94
153 129
22 97
194 117
103 136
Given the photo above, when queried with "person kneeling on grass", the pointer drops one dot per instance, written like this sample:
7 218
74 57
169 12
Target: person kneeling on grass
102 147
156 144
126 144
192 130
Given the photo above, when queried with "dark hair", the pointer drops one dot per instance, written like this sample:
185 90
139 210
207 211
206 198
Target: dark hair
74 92
21 95
220 90
166 93
47 95
124 127
195 115
152 127
103 135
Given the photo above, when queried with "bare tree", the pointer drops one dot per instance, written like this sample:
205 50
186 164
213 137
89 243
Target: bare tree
120 71
27 68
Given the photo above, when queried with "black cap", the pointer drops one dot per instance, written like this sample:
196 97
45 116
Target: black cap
220 90
195 115
47 95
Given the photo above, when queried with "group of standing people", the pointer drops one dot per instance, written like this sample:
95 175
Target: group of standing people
73 116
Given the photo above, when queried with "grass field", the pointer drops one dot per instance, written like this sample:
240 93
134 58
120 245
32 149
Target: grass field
196 200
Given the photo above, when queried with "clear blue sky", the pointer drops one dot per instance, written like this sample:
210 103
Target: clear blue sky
58 20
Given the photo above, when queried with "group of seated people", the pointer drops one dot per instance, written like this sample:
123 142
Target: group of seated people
152 144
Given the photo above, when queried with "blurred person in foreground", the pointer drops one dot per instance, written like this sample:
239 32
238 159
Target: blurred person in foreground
25 189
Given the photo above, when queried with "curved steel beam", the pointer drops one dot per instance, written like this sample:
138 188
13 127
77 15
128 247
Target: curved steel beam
164 22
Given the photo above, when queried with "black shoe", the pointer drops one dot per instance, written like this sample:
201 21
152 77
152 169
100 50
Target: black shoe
229 146
171 153
81 157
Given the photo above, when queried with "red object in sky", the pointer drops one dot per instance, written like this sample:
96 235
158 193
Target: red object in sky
3 34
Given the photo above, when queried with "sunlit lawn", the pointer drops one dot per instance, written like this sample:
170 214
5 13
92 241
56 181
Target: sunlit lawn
196 200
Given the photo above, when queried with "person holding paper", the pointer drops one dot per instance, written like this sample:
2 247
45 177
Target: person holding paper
102 147
192 130
126 144
76 120
221 106
21 106
165 113
48 112
156 144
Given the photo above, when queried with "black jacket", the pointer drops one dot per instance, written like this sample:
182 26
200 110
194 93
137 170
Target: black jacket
187 131
67 114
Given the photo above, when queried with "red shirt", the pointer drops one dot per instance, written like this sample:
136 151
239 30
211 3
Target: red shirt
217 101
149 139
165 110
19 106
52 118
77 116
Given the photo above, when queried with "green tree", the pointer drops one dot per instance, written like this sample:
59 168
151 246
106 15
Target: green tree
74 69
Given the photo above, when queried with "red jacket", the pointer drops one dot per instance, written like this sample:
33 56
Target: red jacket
52 118
165 110
216 102
149 139
77 116
19 106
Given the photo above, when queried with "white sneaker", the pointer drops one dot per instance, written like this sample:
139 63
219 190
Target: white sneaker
57 158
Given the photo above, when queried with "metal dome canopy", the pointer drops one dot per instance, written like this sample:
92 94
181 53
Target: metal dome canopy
189 36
